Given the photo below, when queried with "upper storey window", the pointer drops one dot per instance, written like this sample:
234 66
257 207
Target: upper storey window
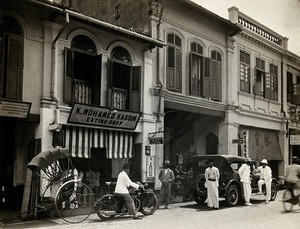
245 71
82 72
174 62
196 69
11 58
271 88
124 81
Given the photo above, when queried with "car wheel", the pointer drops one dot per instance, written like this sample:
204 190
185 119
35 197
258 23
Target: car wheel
199 199
199 185
273 191
233 196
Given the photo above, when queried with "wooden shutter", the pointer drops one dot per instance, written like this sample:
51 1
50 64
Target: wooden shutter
109 84
97 80
178 66
171 72
68 79
207 77
14 67
216 79
135 97
192 74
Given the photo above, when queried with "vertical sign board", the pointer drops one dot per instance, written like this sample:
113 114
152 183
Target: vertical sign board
245 144
150 168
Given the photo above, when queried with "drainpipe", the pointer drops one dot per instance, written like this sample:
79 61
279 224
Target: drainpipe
160 85
53 73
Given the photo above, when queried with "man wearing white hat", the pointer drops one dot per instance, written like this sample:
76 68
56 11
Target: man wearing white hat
265 178
244 173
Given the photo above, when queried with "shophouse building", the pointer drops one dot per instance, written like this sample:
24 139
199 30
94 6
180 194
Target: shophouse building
68 79
265 92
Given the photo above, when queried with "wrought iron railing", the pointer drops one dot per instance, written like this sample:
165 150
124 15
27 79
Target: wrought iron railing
82 92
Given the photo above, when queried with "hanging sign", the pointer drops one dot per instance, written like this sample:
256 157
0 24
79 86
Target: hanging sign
102 116
14 109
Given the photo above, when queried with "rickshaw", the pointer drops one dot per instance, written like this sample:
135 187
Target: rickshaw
64 196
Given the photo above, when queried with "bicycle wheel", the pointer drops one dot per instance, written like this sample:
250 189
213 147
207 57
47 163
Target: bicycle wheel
47 202
149 203
74 205
187 194
106 207
287 201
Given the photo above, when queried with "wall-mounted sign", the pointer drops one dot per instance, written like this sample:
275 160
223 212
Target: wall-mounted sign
156 138
294 139
14 109
102 116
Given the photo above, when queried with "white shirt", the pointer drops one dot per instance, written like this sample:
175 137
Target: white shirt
265 173
123 183
244 173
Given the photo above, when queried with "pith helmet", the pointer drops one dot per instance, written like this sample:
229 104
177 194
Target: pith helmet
264 161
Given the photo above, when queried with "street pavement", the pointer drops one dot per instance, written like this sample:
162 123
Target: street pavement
189 215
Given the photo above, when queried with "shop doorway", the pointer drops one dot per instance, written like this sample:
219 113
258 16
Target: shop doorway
211 144
6 165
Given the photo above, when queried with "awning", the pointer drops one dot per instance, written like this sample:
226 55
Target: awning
80 140
264 144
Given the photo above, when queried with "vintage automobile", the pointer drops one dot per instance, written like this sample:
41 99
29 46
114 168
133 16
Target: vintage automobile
230 186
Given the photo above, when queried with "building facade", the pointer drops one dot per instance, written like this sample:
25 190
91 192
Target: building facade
71 80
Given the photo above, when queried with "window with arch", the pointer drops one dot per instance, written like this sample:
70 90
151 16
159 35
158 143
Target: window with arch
124 81
196 69
82 72
11 58
174 62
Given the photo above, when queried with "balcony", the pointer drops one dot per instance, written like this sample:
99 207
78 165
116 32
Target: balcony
117 98
82 92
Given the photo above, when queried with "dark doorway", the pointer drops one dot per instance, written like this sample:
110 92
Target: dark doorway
211 144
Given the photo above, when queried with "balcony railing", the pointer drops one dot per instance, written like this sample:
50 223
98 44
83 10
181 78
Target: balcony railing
82 92
118 97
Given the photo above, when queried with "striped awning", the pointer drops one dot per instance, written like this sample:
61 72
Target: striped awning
80 140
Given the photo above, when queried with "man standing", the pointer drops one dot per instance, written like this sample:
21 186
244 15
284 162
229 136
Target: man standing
212 176
265 178
244 173
123 182
166 176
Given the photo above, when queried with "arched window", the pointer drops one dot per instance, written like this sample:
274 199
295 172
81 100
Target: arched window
11 58
196 70
174 62
124 81
82 72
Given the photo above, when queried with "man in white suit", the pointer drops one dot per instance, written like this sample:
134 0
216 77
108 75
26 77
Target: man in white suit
265 178
212 176
244 173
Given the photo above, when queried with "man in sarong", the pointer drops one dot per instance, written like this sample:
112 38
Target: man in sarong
212 176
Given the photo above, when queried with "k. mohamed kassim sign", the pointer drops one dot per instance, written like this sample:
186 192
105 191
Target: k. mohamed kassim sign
102 116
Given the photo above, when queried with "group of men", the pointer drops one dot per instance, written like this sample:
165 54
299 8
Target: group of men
212 175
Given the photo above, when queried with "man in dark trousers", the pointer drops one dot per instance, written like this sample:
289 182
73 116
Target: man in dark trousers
166 176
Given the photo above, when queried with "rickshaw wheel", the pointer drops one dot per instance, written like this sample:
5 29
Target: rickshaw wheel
74 204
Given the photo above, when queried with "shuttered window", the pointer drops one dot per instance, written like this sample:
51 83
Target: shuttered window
11 59
244 71
124 81
82 72
174 63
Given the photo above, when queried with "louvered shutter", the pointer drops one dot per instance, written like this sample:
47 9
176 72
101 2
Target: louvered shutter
97 81
207 77
14 67
135 98
68 79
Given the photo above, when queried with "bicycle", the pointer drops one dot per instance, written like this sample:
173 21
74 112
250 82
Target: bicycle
182 187
111 205
289 197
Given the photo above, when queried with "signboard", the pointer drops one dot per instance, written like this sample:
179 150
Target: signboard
156 138
150 167
14 109
295 139
102 116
